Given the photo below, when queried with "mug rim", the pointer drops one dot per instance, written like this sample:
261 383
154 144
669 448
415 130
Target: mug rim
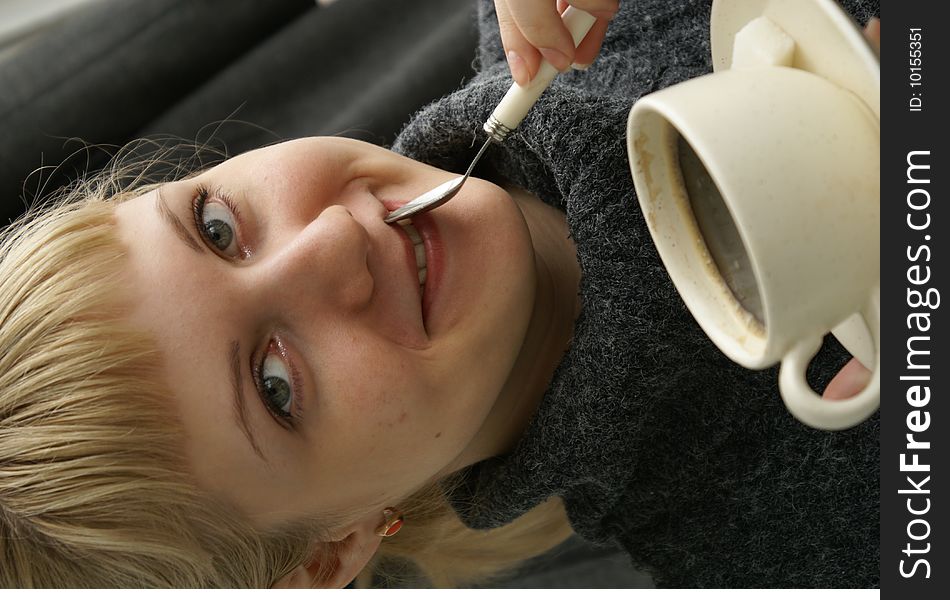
735 330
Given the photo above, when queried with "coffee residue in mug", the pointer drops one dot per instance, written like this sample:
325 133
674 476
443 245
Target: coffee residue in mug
720 239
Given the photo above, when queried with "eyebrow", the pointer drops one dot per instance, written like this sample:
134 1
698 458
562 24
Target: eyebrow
169 216
240 405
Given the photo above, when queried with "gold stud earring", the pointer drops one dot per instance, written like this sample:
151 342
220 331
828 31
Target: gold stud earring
392 522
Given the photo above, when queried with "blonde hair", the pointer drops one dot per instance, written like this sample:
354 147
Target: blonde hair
94 488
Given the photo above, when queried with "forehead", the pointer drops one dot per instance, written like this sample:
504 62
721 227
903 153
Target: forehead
167 273
304 157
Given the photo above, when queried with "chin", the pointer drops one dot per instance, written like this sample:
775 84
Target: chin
510 285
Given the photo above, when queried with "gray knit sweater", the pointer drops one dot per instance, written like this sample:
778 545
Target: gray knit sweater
653 438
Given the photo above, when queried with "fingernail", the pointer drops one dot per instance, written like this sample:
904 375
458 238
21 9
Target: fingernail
580 66
606 15
519 69
558 59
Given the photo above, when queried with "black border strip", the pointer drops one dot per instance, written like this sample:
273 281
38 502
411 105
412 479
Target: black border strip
915 228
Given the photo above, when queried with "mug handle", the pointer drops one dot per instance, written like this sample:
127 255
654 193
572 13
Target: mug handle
815 411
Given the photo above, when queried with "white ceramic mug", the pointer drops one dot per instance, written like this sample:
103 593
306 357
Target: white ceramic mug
761 189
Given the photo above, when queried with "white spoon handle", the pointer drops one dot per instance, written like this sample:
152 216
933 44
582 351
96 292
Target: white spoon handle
518 101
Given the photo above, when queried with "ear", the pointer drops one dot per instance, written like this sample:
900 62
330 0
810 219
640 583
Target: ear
348 556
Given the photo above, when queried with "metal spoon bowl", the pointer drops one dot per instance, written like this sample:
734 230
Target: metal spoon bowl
437 196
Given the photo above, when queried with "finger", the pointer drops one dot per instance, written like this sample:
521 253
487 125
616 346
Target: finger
589 47
541 25
850 380
873 33
523 58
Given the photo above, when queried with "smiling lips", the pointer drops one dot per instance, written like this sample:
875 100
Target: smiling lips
418 248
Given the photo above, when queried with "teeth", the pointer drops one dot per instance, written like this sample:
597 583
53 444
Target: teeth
418 248
412 232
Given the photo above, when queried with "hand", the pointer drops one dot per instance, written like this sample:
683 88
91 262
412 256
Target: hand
532 30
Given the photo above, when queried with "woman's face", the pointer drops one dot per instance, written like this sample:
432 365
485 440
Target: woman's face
312 372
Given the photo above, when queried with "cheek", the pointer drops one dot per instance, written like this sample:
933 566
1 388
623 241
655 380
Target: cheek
390 434
371 385
397 400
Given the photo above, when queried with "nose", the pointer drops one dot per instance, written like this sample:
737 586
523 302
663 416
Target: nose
323 264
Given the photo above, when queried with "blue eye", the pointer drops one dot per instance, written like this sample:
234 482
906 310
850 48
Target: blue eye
219 228
216 221
277 386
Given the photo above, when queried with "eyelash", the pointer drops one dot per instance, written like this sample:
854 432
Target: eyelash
257 370
202 194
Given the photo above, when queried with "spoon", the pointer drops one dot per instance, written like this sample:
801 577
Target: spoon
438 195
504 119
